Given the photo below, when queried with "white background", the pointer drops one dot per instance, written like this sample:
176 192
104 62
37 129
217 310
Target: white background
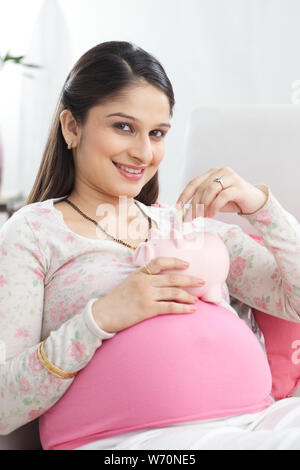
214 51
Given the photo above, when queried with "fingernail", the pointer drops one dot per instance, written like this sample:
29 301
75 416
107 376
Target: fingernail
179 205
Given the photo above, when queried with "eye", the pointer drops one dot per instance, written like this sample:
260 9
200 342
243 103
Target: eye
120 126
161 132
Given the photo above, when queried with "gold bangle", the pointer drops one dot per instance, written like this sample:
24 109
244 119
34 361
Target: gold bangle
51 368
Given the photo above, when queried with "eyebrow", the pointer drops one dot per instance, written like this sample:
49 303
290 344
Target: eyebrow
163 124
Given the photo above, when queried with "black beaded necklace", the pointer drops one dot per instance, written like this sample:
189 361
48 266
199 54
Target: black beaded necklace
98 225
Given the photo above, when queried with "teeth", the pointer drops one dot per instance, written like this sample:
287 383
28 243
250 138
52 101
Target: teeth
129 170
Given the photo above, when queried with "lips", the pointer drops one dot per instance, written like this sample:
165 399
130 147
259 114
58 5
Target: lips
130 166
130 176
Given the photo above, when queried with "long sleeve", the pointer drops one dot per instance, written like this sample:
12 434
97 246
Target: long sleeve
27 390
266 277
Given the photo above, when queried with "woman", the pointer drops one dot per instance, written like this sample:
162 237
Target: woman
69 290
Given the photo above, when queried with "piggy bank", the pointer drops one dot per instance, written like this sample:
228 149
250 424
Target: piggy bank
205 252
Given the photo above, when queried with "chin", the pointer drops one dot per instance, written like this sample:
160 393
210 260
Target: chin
128 194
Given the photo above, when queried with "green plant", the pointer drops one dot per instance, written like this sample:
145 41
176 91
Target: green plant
16 60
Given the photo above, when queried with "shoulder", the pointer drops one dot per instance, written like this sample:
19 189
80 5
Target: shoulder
27 218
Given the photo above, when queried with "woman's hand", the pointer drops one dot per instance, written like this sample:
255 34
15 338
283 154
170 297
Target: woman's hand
238 195
141 296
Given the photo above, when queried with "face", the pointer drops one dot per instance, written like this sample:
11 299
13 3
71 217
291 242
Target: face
108 138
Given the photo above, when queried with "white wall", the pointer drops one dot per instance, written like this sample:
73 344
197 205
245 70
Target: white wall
214 51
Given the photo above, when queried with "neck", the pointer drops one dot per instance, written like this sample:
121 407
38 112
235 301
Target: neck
101 205
116 217
106 208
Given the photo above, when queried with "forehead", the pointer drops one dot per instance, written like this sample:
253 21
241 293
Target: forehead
144 102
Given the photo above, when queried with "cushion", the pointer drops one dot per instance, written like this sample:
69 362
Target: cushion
282 343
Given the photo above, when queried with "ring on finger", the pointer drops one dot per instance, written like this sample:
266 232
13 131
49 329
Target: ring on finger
218 179
147 269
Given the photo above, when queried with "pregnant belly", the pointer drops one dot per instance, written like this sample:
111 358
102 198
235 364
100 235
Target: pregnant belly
166 369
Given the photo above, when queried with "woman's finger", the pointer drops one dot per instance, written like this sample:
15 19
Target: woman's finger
210 194
193 186
224 202
206 193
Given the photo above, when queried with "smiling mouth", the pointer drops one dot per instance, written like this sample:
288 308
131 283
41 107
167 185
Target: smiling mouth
132 170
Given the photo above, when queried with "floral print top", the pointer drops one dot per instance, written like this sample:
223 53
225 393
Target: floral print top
50 277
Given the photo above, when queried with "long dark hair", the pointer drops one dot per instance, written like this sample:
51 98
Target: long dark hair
101 74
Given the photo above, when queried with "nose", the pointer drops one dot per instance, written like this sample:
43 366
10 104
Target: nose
141 150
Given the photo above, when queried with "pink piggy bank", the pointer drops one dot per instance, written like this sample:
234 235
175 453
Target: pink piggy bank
205 252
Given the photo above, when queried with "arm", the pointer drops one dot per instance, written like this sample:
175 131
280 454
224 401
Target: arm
27 390
266 278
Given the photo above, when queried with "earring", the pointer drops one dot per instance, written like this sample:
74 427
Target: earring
70 145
